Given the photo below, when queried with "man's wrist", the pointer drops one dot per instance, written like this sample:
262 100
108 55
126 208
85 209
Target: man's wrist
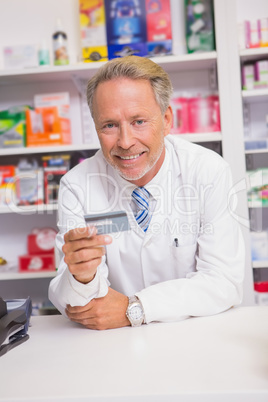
84 280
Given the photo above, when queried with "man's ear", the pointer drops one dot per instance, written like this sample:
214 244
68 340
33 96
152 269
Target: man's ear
168 119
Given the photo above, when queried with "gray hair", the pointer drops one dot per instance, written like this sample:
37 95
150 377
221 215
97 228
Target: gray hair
135 68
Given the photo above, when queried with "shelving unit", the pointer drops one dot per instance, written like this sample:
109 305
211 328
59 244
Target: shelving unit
260 264
256 151
255 104
252 54
9 276
43 150
200 61
217 71
255 95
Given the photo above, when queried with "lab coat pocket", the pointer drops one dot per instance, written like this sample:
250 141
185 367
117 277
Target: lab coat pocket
184 259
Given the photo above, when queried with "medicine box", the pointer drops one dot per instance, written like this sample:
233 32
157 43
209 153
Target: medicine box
126 27
7 185
93 30
49 124
30 187
180 106
158 23
263 24
41 241
252 33
248 76
261 74
52 177
259 246
196 114
137 49
13 127
35 263
261 293
199 26
21 56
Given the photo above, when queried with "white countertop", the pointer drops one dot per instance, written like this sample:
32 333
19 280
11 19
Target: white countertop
207 359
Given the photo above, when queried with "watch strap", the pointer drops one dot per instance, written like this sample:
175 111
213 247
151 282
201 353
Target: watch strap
134 300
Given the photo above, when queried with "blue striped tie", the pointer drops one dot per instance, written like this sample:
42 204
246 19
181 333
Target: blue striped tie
141 198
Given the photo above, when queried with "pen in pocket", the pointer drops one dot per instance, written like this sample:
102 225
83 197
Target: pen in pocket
176 242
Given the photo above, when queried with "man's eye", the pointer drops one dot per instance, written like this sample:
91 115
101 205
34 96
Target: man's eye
109 125
139 122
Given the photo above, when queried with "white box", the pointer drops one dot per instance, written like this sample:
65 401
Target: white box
19 57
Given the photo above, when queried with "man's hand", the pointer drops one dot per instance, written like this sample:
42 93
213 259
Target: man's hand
83 251
103 313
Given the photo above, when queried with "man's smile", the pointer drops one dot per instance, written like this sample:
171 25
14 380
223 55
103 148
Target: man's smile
130 156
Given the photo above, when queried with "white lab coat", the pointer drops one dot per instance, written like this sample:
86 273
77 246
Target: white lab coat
202 276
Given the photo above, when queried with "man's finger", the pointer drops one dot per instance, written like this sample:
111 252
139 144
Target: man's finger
80 309
80 233
84 255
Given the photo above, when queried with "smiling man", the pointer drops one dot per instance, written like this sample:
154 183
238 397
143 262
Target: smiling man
184 253
131 128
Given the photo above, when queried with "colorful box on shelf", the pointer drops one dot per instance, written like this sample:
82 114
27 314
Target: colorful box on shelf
41 241
140 27
261 74
255 75
257 186
196 115
93 30
126 28
52 177
255 144
49 124
261 293
40 248
54 168
248 76
13 127
21 56
256 33
158 23
36 263
30 186
259 246
199 25
7 185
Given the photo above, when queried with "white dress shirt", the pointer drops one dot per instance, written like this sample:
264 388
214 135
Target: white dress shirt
190 262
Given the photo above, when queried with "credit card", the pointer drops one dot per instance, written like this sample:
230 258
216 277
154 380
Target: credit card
109 222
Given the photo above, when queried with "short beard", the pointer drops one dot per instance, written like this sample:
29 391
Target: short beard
150 165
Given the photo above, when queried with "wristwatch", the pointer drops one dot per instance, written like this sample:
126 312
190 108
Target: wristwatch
135 312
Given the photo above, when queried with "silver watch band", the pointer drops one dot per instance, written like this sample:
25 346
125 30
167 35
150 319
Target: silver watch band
137 318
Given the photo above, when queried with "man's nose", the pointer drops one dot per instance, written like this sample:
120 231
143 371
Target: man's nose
126 138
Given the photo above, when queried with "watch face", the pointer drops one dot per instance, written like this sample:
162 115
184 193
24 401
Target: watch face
135 312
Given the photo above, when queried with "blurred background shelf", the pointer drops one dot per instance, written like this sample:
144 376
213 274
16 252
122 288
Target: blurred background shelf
7 276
